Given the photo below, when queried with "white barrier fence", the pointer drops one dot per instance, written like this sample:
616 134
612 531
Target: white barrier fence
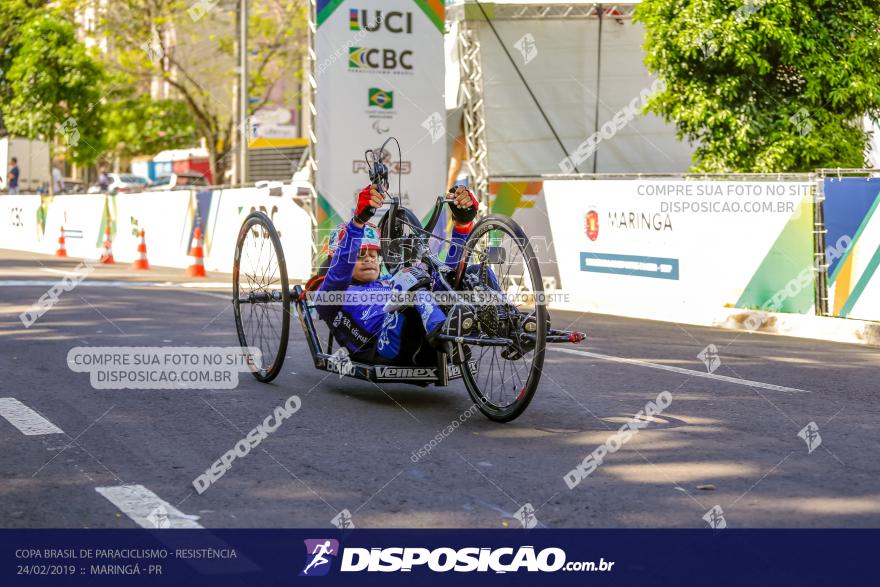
33 223
659 249
681 250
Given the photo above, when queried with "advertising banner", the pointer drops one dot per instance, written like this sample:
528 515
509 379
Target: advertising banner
853 225
224 557
292 223
168 220
80 215
524 202
681 250
19 218
380 73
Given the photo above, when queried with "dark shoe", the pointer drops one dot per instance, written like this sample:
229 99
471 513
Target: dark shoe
529 324
460 321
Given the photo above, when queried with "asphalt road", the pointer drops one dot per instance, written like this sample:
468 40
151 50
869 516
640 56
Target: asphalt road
727 439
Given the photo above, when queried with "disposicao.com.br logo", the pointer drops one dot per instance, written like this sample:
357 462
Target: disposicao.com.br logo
318 553
442 560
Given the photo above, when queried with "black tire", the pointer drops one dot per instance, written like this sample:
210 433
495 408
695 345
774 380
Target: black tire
262 303
487 395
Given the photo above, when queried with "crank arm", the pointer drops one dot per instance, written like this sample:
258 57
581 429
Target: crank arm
556 336
475 340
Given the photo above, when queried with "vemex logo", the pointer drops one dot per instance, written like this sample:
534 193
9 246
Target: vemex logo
395 22
372 58
381 98
317 552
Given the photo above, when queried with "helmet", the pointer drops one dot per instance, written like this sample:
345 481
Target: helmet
370 240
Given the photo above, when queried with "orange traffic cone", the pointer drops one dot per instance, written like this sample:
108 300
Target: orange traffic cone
197 267
62 250
107 256
141 262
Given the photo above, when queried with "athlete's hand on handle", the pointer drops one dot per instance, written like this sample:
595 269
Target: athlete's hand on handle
463 205
368 200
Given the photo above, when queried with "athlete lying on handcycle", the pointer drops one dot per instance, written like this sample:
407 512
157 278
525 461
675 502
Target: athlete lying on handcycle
360 322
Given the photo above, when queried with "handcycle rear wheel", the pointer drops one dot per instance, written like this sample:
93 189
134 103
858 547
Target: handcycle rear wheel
260 294
507 378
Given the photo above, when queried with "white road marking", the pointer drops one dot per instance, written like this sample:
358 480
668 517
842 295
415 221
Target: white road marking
129 284
227 297
139 503
25 419
167 285
57 271
86 283
690 372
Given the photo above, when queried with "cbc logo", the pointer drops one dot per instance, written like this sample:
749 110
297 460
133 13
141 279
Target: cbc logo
368 58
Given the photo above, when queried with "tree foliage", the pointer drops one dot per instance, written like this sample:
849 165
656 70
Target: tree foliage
191 47
55 88
135 124
766 85
15 14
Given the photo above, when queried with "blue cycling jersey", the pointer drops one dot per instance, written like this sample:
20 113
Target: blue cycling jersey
357 322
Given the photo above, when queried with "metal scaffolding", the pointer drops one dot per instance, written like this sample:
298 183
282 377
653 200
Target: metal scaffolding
310 155
537 11
473 116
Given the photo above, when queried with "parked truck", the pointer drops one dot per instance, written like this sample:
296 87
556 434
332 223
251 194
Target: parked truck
33 163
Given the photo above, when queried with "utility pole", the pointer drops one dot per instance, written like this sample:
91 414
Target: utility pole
244 123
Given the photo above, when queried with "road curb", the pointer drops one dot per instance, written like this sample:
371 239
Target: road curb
801 326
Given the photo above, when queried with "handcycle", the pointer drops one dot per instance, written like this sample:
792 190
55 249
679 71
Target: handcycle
501 356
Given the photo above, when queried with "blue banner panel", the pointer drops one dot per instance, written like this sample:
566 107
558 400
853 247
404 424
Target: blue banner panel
436 557
632 265
847 201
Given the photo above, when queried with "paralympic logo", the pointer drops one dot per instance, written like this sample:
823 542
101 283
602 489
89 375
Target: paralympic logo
317 552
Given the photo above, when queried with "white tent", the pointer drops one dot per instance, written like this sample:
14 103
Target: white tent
548 57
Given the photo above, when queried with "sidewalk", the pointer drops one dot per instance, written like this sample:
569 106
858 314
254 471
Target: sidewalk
801 326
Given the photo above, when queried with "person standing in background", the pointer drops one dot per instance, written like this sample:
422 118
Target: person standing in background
104 180
12 179
57 180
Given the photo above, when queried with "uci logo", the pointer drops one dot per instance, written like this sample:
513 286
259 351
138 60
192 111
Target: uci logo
369 58
395 22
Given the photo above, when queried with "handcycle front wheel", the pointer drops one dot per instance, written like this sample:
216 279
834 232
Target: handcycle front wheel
506 378
260 294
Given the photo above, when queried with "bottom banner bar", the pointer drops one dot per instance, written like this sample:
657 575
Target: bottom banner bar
425 557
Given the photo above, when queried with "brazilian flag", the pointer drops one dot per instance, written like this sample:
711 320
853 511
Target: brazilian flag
381 98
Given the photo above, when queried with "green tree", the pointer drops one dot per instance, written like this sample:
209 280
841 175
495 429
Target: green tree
190 46
138 125
15 14
766 86
56 89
